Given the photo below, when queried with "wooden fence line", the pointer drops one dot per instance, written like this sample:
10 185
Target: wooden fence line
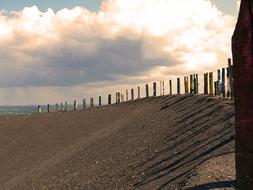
211 87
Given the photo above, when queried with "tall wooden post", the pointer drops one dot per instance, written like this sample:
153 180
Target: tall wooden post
99 101
126 95
84 104
211 83
132 94
205 83
109 99
197 83
154 89
170 82
187 85
215 88
230 75
191 84
178 85
48 108
223 88
242 49
218 82
139 92
147 91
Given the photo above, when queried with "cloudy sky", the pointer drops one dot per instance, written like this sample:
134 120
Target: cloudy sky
52 51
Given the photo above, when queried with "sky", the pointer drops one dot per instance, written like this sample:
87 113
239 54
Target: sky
53 51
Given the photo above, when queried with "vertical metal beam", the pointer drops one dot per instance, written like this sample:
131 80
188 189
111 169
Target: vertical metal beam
242 49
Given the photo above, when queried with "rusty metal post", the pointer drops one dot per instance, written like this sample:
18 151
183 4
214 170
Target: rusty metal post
242 49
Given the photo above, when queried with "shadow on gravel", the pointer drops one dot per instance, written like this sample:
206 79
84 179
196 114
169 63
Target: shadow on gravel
216 185
204 130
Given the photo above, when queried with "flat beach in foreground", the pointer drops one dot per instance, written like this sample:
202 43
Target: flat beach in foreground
167 142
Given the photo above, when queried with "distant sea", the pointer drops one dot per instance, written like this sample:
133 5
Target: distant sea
28 110
17 110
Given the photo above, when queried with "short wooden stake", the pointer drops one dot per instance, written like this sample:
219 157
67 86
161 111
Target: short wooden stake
48 108
84 104
56 107
170 84
99 101
122 98
163 90
75 105
211 83
139 92
178 85
39 109
147 91
109 99
91 102
154 89
132 94
66 106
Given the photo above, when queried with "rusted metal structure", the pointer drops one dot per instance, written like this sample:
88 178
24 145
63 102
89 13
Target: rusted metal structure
242 48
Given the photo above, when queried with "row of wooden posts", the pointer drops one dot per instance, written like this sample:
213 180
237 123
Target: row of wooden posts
211 87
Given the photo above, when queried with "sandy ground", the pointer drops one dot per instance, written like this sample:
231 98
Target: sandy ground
169 142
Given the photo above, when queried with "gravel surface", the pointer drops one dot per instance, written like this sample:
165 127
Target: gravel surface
150 143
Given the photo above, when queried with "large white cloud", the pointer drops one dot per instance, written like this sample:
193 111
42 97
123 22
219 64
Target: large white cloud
125 40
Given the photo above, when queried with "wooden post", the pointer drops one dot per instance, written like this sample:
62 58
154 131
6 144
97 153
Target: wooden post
48 108
75 105
163 84
91 102
139 92
170 87
218 82
117 98
205 87
186 84
126 95
191 84
109 99
215 88
241 82
230 71
223 90
211 83
61 106
84 104
99 101
132 94
197 83
39 109
154 89
122 98
66 106
178 85
147 91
